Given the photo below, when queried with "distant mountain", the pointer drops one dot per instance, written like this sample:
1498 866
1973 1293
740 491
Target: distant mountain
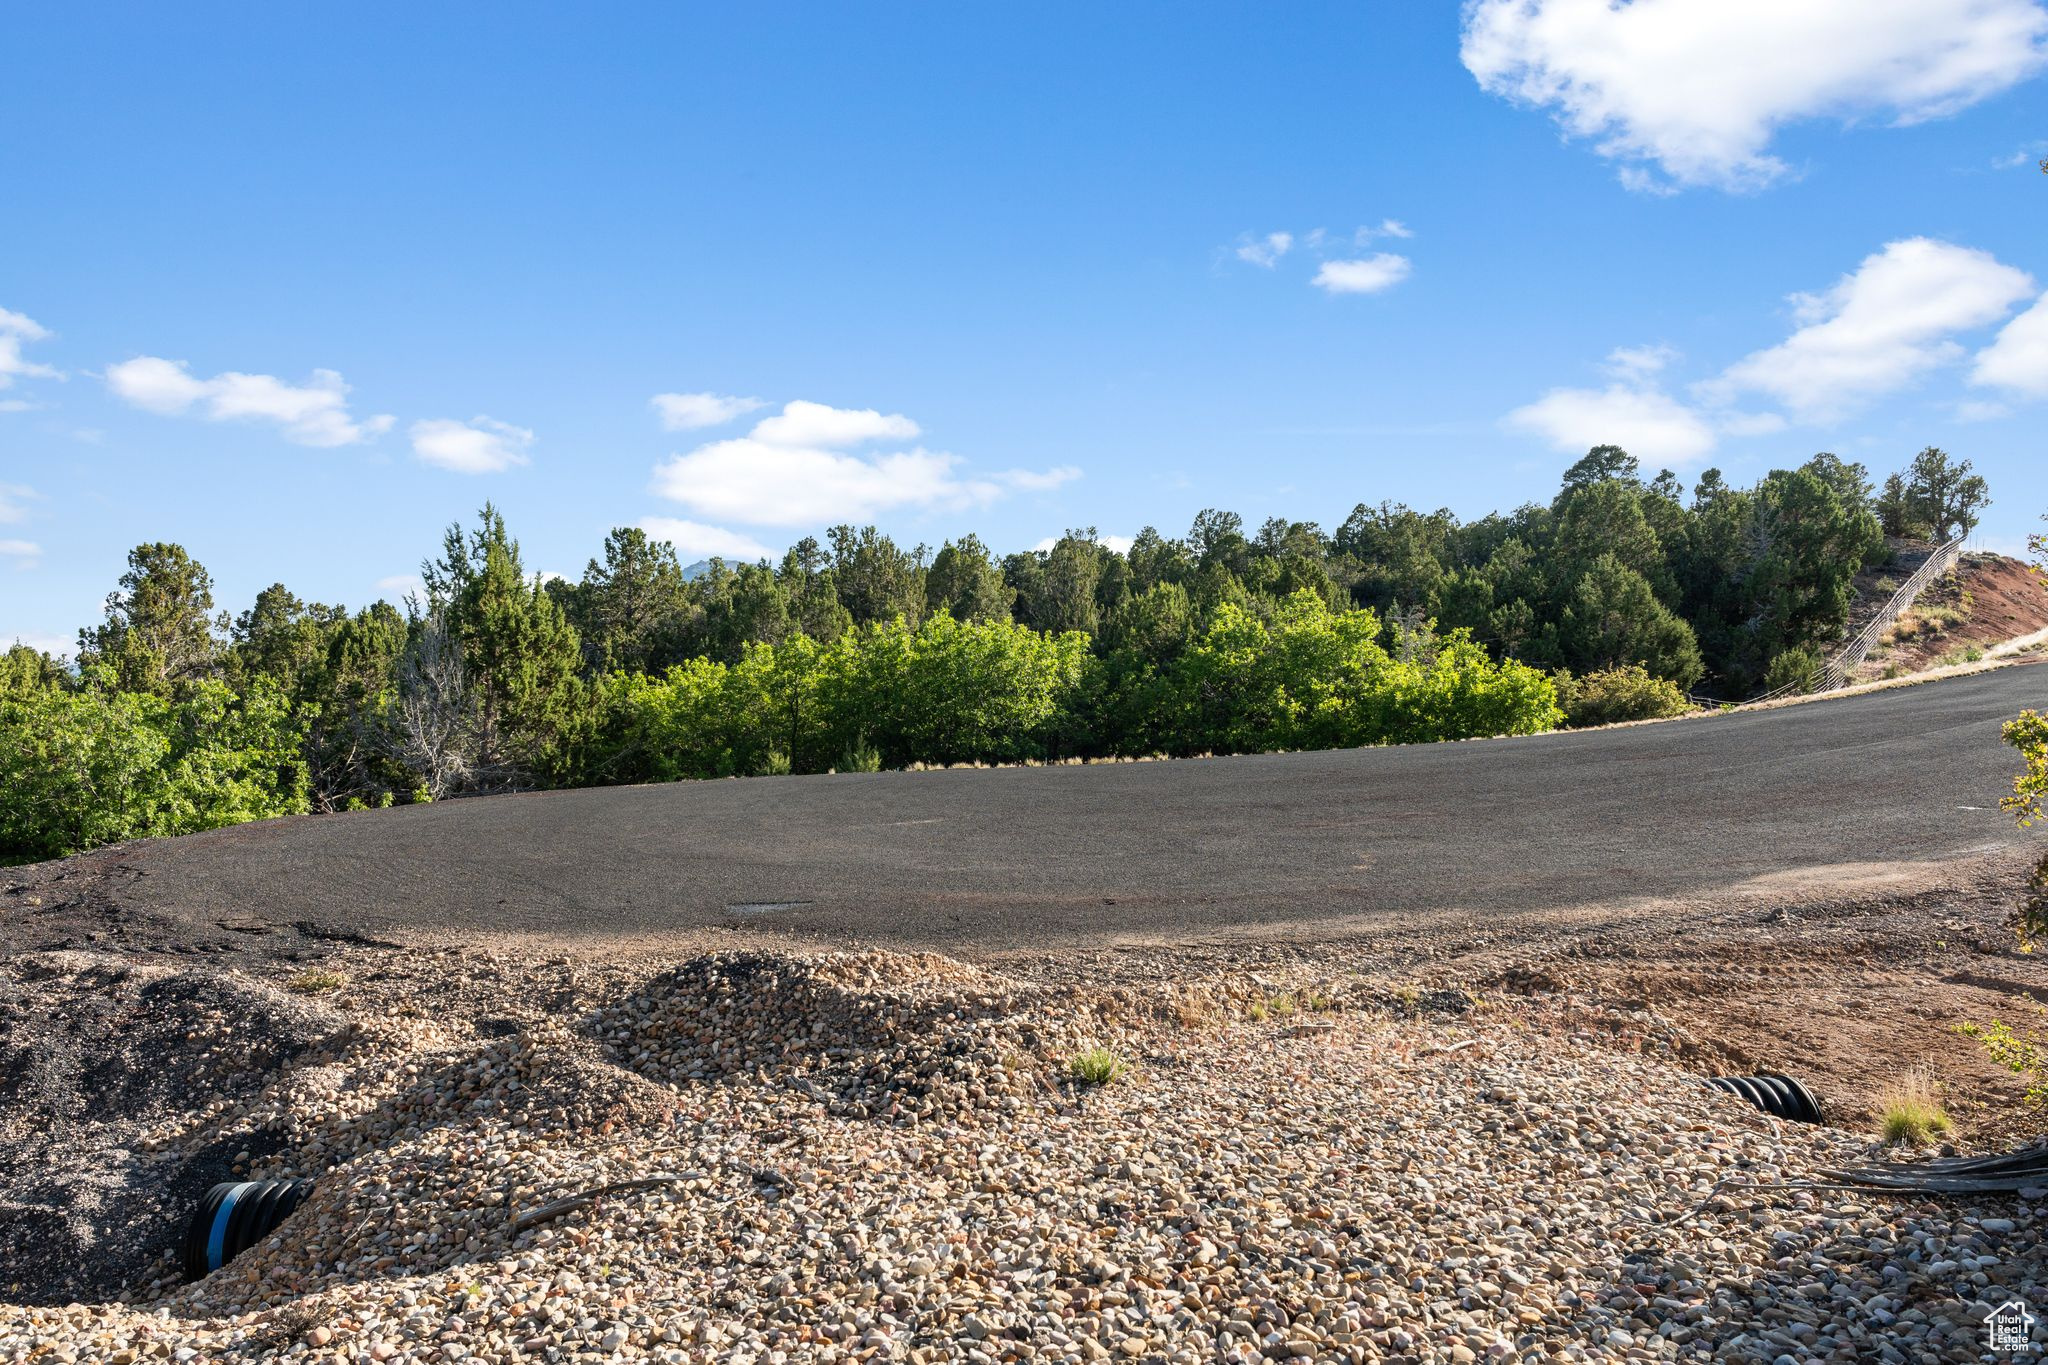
702 566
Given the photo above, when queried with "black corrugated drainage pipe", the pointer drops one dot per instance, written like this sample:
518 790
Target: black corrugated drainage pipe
1779 1096
236 1215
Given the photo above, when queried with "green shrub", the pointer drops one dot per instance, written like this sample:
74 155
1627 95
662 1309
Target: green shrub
2023 1056
1622 694
1320 679
2029 735
861 758
1794 668
92 766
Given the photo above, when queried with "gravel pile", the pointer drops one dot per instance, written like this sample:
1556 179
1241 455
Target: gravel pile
1283 1176
902 1037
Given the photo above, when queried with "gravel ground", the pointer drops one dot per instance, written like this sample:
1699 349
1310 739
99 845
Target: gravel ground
882 1157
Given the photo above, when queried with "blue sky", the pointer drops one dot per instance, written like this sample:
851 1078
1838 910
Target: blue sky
1016 269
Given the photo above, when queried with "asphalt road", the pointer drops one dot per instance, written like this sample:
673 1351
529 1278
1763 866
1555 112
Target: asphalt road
1015 857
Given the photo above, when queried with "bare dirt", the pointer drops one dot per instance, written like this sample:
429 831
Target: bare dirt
1987 601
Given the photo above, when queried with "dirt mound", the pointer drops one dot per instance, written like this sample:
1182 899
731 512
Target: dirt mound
126 1092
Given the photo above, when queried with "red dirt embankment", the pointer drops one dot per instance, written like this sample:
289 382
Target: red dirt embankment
1986 601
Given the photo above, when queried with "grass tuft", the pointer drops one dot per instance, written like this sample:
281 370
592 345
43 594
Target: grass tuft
315 981
1910 1111
1097 1066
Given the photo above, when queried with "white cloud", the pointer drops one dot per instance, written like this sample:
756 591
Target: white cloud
694 540
688 411
23 326
793 469
482 445
1879 328
1367 276
15 329
1267 250
2018 359
1394 227
24 552
1642 419
1749 423
58 645
1120 544
803 424
402 586
1032 481
1698 88
770 484
2030 156
12 496
310 414
1975 411
1635 363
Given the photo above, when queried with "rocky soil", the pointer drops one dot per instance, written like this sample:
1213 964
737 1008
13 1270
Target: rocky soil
1988 600
881 1157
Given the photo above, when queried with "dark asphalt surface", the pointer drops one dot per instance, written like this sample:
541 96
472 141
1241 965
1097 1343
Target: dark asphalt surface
1018 857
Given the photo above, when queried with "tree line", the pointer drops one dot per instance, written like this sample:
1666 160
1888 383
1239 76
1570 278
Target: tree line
1612 601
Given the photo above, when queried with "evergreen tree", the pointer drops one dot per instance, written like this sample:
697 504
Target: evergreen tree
1943 495
519 653
1601 464
631 606
284 639
160 631
1613 619
965 582
878 581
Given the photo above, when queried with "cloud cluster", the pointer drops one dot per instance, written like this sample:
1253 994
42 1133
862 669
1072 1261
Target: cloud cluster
694 540
689 411
1880 328
1875 332
806 465
1265 251
16 329
1335 275
315 413
1698 88
482 445
311 414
